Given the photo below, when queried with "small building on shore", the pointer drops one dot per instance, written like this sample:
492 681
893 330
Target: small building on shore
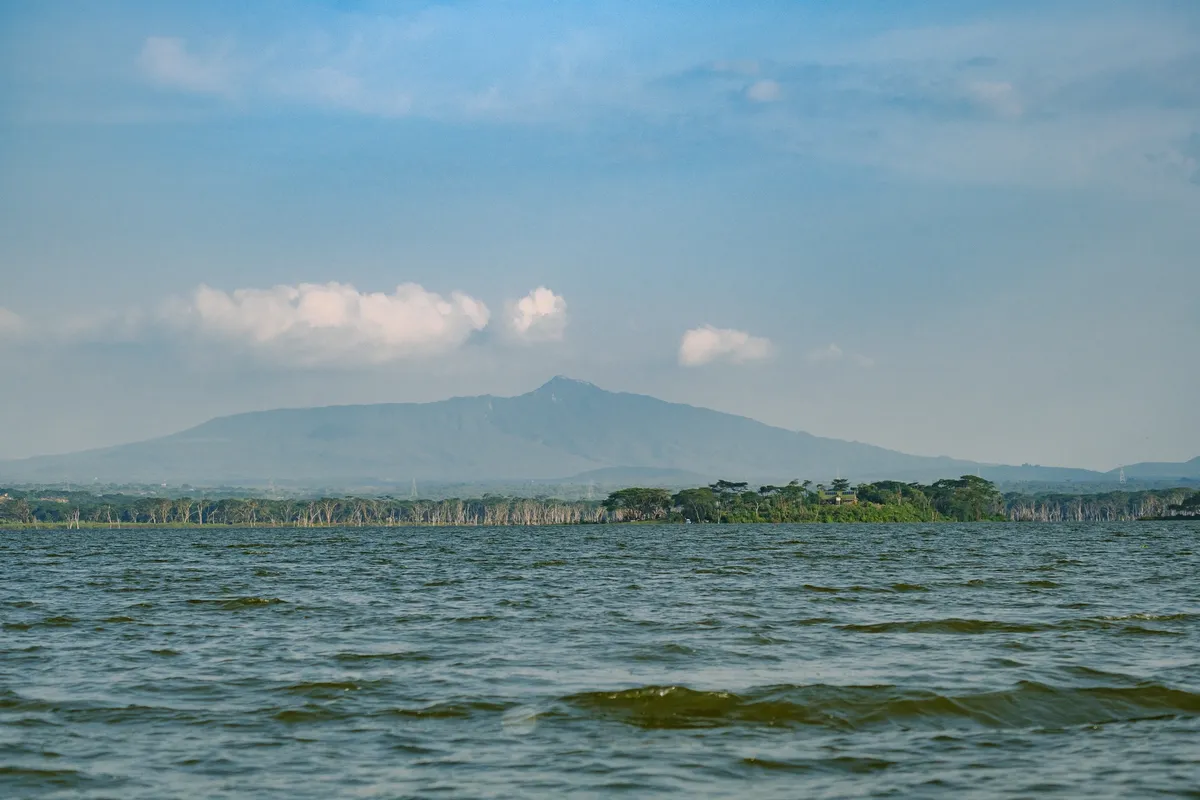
839 498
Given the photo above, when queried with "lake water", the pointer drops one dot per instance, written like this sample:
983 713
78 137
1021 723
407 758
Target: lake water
774 661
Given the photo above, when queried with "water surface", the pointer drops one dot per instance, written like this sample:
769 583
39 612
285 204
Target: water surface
780 661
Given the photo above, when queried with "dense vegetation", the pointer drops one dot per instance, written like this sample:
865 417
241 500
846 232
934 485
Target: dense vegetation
967 498
964 499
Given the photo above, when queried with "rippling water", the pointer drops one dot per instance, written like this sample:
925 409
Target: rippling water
785 661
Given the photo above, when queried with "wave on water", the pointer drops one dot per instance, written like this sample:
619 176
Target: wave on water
899 588
16 777
955 625
236 603
411 655
461 710
952 625
323 688
1027 705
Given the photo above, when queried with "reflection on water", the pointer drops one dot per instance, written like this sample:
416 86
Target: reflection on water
823 661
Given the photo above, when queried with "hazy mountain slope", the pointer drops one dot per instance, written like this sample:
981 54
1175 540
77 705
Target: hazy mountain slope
635 430
1162 469
563 429
450 440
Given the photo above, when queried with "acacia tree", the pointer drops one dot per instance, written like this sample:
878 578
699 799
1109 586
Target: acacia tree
639 503
970 498
723 491
699 505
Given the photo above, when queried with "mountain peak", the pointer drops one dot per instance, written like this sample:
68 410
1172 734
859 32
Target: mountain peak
563 383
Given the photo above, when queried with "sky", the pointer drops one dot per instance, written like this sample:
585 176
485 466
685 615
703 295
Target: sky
948 228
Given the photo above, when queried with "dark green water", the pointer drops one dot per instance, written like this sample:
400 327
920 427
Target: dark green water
773 661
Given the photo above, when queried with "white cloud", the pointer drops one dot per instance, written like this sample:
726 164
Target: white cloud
11 323
334 323
166 60
764 91
830 353
707 344
538 316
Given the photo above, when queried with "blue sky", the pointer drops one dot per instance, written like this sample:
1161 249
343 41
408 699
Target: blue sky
948 228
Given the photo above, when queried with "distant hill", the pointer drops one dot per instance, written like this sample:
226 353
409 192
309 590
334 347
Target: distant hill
1161 470
566 430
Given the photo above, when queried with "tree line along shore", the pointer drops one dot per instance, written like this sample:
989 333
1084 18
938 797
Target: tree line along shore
964 499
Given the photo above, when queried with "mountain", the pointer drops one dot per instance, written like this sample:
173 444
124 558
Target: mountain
564 430
1162 470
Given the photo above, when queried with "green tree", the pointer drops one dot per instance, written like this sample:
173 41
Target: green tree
638 503
724 492
698 505
970 499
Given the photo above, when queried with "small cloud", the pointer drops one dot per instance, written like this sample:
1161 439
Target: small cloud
540 315
11 324
333 323
822 354
167 61
764 91
707 344
999 97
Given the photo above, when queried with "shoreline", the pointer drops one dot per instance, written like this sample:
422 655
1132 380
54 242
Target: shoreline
190 526
967 499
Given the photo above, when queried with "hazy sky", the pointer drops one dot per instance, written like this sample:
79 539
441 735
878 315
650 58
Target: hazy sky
962 228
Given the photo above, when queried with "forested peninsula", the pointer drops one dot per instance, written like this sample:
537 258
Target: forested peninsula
965 499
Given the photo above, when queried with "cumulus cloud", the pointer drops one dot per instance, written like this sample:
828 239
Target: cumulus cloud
166 60
764 91
334 323
540 315
707 344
